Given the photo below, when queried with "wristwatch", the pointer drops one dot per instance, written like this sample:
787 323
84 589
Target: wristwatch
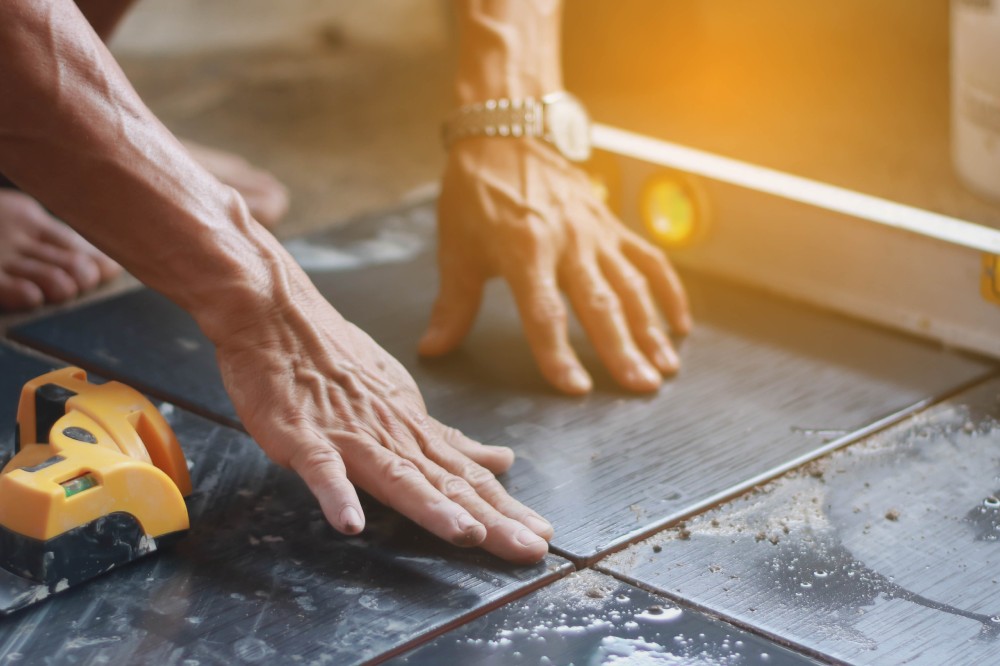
558 118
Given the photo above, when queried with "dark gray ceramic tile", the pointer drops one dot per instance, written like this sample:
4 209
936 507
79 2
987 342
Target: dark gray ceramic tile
591 619
15 369
261 576
764 382
886 552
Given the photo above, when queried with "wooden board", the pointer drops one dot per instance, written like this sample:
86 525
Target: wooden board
589 618
882 553
261 576
765 383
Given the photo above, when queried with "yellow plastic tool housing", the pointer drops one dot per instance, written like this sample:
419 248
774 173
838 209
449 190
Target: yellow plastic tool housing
112 451
135 426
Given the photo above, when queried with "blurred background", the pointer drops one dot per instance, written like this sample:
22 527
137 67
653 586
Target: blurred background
343 100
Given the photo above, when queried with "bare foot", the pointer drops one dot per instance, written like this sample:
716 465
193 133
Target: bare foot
266 197
44 261
41 259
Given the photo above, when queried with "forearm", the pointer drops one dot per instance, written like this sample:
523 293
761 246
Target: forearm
508 48
75 135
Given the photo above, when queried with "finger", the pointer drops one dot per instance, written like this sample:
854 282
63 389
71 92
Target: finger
600 312
663 279
78 265
643 318
400 484
483 481
505 537
324 472
54 282
545 321
456 306
497 459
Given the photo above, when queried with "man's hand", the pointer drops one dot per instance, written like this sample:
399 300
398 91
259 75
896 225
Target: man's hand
323 398
517 209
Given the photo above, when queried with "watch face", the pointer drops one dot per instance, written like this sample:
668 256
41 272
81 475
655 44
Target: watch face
568 127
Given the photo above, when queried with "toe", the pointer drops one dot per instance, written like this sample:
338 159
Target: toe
19 294
54 282
80 266
109 268
269 203
55 233
266 197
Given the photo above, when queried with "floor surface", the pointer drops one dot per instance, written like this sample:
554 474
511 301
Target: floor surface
850 558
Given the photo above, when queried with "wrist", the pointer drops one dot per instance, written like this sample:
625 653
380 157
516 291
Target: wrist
241 276
508 50
558 118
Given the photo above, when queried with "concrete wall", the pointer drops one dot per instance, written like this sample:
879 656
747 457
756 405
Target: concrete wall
190 26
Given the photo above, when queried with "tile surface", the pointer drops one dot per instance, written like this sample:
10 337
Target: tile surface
589 618
15 369
261 576
886 552
764 382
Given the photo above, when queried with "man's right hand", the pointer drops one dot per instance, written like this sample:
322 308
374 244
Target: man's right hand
321 397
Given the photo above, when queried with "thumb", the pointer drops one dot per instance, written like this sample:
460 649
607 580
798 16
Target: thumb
456 306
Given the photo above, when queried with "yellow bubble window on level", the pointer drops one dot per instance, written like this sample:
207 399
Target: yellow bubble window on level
669 213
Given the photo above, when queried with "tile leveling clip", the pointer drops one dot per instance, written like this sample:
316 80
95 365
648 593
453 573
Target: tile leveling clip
97 480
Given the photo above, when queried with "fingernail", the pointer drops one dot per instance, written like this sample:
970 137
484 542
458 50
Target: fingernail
351 520
538 525
578 380
467 522
644 374
430 338
666 359
473 532
526 537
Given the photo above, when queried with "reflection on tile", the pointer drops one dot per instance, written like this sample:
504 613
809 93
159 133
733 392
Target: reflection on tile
590 618
261 576
764 382
882 553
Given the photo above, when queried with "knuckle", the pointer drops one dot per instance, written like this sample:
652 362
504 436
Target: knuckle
547 308
602 300
298 424
398 470
451 436
634 281
455 487
448 433
479 477
420 418
530 233
313 458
